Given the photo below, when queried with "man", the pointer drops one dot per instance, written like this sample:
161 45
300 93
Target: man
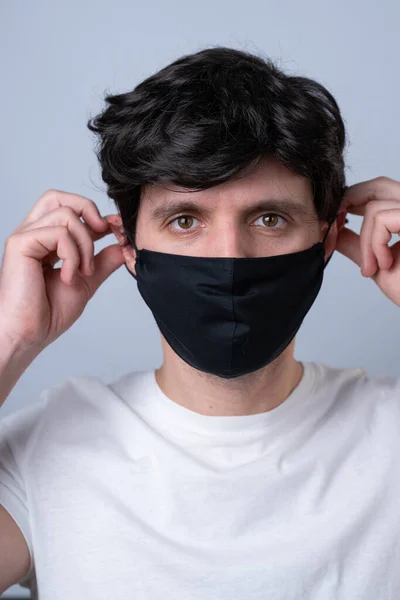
233 470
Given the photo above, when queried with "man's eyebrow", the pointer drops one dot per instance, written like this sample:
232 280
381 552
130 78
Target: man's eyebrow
288 206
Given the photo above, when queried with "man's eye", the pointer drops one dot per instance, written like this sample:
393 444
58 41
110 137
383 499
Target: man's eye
187 222
271 221
183 222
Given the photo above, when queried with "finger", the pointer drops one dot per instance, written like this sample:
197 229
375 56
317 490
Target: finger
53 199
95 235
379 188
369 262
108 260
369 265
369 256
38 244
386 223
360 210
79 231
348 244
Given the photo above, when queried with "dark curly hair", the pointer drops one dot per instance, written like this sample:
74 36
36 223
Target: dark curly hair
200 120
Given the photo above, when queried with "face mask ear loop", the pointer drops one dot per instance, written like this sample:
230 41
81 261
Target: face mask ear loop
130 239
324 240
328 230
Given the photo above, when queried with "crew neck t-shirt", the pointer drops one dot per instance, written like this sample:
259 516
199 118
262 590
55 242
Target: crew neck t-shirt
120 492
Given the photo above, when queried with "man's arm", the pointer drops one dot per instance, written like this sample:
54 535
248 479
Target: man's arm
14 552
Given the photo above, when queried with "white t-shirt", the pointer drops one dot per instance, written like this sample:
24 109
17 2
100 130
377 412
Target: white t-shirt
122 493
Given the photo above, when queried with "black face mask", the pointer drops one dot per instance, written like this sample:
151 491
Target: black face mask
229 316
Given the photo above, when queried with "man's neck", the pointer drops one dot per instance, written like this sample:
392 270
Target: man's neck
207 394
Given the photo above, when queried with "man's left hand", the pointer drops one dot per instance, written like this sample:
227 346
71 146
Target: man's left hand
378 201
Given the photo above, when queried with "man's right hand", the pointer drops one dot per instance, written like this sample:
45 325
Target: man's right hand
38 302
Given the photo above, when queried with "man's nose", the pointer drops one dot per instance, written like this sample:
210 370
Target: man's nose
228 242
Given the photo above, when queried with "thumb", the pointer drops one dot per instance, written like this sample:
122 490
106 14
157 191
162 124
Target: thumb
348 244
106 262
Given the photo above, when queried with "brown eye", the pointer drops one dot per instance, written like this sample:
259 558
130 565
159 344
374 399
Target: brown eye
182 224
270 220
185 222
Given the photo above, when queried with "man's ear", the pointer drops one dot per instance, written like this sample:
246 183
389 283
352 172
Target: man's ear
118 230
334 233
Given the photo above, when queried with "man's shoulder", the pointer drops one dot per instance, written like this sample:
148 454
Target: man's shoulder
88 395
357 384
76 402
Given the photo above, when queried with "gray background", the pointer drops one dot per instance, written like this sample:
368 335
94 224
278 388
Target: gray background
57 58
